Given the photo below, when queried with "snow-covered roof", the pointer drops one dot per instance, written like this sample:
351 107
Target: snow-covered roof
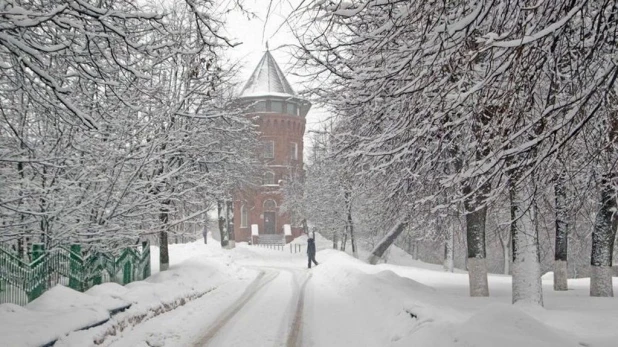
267 79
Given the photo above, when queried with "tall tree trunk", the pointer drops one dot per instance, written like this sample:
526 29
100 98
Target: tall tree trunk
335 238
229 211
221 221
561 249
164 255
476 214
387 241
345 239
603 236
506 251
21 248
350 223
524 235
449 246
505 242
475 207
353 240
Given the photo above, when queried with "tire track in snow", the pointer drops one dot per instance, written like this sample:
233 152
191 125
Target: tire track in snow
296 327
260 281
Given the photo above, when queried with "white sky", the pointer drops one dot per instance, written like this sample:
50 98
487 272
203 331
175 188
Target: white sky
253 33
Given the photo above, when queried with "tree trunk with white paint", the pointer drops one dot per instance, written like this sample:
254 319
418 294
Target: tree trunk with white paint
603 237
527 287
476 214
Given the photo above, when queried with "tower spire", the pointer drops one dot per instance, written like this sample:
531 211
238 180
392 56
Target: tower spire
267 78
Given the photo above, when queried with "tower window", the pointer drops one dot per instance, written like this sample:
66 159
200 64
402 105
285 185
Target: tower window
269 178
293 150
260 106
269 149
276 106
292 109
244 217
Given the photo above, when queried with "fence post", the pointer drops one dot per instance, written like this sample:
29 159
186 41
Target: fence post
127 272
37 284
74 268
38 249
98 277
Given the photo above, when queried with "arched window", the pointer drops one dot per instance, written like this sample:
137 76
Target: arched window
269 178
244 216
270 205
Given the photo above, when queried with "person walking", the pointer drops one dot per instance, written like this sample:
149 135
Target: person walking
311 251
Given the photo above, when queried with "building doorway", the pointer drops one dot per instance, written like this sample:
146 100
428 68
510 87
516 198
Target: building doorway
269 222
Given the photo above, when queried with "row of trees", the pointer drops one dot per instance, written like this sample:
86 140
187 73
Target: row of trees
452 108
117 122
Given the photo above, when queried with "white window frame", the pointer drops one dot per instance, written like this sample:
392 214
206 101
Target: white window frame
270 154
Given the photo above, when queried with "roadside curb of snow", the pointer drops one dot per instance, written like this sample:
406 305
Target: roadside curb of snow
112 313
120 322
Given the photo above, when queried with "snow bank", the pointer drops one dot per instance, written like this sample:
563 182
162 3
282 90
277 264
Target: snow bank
62 298
196 270
52 315
495 325
346 296
351 303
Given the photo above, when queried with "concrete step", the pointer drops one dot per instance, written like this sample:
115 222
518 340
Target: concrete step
271 239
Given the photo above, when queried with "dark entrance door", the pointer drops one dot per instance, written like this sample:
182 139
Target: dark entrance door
269 222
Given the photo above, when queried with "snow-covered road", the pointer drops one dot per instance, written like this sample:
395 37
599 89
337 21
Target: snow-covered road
269 311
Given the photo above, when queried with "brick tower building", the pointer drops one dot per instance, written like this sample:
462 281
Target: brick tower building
280 115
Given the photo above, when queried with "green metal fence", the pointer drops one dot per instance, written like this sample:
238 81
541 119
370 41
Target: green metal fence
21 282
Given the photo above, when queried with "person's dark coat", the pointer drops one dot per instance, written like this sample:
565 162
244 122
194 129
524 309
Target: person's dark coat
311 252
311 247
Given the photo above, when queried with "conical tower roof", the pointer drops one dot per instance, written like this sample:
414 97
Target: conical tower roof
267 79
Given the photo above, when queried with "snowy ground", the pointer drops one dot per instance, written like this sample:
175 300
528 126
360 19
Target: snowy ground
253 296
